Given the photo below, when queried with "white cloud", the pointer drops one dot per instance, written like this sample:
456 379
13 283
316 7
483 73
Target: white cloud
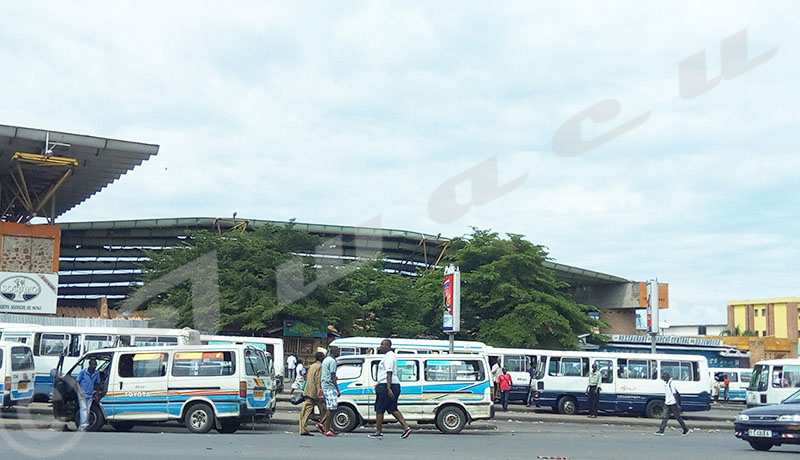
335 113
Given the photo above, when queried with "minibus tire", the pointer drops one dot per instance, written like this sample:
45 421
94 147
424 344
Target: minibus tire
567 405
347 415
451 420
758 444
199 418
651 410
95 419
229 426
122 426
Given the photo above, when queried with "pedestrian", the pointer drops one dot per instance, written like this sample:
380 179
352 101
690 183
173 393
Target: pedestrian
87 379
715 391
532 374
312 392
496 373
671 405
593 390
727 387
330 391
504 381
291 363
299 379
387 391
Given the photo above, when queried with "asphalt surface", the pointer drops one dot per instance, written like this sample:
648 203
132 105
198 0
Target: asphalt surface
521 433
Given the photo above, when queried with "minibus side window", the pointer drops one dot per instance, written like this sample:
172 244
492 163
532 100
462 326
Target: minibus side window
349 370
53 344
444 370
733 377
745 377
168 341
143 365
606 368
1 358
209 364
408 370
96 342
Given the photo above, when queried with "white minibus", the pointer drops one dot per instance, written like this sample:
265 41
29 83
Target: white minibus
631 382
48 343
447 390
369 345
739 381
272 345
16 370
518 362
773 381
204 386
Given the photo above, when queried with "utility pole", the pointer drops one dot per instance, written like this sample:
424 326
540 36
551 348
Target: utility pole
652 312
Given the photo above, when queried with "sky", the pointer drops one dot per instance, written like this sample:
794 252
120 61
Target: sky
639 139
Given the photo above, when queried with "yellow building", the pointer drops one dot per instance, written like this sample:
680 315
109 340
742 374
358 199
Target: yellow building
767 317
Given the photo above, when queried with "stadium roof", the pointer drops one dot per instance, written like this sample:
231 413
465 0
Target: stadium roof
61 169
102 258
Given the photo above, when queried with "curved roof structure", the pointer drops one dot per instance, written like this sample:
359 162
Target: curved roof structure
100 259
47 173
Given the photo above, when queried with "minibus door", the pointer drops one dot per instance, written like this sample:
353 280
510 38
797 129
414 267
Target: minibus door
139 388
608 397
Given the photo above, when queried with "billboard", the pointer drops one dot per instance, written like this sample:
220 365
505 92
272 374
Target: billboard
28 292
451 287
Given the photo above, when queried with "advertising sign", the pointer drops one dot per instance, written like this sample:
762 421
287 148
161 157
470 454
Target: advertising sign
451 287
28 293
652 307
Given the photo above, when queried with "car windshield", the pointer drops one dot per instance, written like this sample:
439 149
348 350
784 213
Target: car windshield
793 399
760 378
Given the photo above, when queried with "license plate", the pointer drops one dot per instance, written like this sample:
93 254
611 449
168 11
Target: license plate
258 394
22 386
761 433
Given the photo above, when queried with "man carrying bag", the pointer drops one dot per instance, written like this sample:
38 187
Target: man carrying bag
671 406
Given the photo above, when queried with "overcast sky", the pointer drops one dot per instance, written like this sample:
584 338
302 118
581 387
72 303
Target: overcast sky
338 112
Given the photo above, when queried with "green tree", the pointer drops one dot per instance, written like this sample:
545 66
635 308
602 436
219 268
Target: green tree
508 298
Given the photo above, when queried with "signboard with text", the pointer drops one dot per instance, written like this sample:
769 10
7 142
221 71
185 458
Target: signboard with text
28 293
451 287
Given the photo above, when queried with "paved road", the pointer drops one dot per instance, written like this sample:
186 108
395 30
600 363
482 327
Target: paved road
526 442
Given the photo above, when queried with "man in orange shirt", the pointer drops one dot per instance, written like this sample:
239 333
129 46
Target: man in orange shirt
504 380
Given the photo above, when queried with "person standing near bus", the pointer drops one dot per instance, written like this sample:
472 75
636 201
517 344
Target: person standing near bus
727 383
593 390
504 382
291 363
387 391
330 391
496 373
670 406
87 379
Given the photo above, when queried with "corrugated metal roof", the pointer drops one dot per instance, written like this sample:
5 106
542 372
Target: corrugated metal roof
101 161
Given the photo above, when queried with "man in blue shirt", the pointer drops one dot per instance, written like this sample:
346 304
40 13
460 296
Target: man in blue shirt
87 379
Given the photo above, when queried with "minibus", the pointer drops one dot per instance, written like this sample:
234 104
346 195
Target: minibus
449 391
773 381
50 342
369 345
630 382
739 381
203 386
272 345
16 370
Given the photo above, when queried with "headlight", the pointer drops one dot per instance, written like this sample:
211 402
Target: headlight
789 418
743 418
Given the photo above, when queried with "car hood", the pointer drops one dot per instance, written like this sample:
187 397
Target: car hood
775 409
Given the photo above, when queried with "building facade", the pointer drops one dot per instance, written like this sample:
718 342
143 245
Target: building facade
776 317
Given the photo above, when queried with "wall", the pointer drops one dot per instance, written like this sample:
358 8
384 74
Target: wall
29 248
622 321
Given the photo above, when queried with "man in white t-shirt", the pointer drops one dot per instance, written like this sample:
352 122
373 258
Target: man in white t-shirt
387 391
671 405
291 363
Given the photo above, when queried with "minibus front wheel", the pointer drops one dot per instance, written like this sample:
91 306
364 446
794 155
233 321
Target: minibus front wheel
451 419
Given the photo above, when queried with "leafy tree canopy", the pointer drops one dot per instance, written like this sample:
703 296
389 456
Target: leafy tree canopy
508 298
